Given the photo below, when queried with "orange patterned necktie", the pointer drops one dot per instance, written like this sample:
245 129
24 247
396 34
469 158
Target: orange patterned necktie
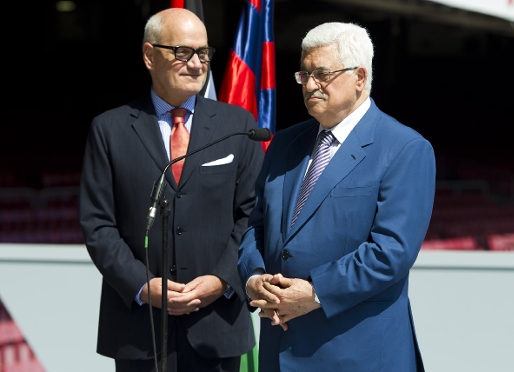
179 140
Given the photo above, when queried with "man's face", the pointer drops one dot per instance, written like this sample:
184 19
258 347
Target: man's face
174 80
334 99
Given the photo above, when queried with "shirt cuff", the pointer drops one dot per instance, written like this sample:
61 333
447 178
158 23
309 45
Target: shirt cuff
138 296
316 299
229 292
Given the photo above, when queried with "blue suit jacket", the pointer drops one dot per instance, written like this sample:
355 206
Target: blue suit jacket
356 238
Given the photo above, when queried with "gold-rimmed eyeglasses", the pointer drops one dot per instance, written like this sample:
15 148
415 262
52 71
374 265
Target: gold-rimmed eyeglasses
319 76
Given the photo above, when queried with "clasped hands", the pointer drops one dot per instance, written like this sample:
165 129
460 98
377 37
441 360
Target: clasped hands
281 299
185 298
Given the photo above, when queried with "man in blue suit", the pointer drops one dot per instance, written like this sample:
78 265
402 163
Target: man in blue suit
332 275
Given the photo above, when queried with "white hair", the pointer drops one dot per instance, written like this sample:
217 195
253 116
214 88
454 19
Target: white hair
352 41
153 29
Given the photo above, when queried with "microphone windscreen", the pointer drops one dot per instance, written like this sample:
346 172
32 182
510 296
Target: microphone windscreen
259 134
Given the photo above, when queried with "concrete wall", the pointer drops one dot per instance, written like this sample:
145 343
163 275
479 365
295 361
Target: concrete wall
463 305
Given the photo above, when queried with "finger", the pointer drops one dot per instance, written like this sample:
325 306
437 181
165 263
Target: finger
276 279
266 277
191 286
264 314
180 308
195 303
176 287
281 320
263 304
283 281
181 298
265 295
273 289
275 319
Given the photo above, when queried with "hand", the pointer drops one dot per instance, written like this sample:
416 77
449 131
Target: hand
296 297
274 316
207 288
256 290
173 289
260 294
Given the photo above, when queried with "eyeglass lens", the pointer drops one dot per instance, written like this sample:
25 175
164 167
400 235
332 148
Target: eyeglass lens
303 76
184 54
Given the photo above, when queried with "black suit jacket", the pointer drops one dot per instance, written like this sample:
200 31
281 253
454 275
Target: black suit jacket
124 155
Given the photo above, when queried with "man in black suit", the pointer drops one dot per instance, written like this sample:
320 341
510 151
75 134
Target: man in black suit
209 326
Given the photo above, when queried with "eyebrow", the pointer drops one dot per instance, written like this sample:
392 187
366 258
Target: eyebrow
322 68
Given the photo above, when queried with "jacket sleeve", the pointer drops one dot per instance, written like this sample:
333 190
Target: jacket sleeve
109 252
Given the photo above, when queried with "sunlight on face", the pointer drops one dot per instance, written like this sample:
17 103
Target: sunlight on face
173 80
331 101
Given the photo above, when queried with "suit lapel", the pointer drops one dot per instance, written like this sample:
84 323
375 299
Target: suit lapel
344 161
347 157
299 153
202 130
146 127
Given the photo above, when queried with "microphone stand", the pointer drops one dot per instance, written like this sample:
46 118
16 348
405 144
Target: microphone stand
165 212
158 197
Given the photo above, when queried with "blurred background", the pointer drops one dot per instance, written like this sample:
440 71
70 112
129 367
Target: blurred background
442 67
445 71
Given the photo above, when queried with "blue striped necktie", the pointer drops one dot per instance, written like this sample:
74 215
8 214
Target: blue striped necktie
319 161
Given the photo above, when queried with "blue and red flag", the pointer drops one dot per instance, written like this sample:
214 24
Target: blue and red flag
249 79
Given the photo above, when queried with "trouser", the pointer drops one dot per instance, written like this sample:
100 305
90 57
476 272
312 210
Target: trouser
181 358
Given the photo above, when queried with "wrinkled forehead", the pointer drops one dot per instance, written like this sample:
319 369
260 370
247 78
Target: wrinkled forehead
324 57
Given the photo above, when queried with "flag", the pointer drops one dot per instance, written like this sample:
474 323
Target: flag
195 6
249 79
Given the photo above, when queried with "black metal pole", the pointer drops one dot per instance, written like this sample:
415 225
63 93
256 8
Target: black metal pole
165 212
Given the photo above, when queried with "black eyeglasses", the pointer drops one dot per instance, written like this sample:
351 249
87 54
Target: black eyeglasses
320 76
184 53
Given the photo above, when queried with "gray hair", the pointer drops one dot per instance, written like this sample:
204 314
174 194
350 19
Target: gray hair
153 29
352 41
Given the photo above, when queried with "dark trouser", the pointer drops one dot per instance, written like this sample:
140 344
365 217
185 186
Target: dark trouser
195 364
181 358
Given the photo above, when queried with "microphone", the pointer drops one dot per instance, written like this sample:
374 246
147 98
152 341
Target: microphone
259 134
255 134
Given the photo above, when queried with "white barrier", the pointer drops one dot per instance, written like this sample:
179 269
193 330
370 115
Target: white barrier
463 305
52 292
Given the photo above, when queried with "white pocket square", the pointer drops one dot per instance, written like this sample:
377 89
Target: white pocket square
225 160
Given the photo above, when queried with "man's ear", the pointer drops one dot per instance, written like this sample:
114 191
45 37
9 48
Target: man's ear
148 54
362 76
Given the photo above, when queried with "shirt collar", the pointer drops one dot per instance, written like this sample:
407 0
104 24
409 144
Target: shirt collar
162 107
341 130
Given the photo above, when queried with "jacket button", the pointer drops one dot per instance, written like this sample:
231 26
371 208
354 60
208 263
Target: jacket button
286 255
179 231
173 269
179 194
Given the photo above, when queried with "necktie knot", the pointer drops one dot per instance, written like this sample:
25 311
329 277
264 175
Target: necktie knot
179 115
325 138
